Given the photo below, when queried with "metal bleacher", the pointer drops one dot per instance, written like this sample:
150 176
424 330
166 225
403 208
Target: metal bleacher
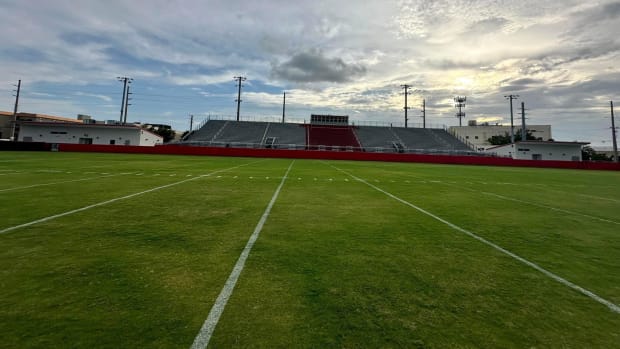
451 141
207 132
248 132
431 139
257 134
374 138
286 135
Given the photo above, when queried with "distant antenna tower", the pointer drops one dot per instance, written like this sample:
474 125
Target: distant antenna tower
459 102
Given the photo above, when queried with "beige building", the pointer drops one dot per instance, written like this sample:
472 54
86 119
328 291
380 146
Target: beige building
6 121
538 150
478 135
82 133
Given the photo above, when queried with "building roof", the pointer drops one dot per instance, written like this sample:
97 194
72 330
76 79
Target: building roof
83 125
41 116
549 143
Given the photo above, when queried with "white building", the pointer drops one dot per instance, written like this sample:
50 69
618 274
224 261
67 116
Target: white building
538 150
478 135
80 133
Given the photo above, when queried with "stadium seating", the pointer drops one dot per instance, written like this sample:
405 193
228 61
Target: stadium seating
296 136
332 136
286 135
207 132
243 132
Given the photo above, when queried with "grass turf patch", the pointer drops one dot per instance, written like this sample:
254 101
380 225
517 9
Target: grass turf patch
338 264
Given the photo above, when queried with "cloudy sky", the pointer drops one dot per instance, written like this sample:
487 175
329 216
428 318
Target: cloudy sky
338 57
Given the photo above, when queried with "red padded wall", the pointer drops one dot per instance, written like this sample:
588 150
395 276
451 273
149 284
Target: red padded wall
337 155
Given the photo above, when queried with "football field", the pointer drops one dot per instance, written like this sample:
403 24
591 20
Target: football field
149 251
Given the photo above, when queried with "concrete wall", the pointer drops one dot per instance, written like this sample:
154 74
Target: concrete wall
76 134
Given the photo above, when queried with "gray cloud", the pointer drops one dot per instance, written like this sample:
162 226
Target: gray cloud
446 64
601 13
313 66
487 26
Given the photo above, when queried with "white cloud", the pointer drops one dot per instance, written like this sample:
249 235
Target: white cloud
478 48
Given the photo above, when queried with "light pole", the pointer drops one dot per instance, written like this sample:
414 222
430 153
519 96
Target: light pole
512 130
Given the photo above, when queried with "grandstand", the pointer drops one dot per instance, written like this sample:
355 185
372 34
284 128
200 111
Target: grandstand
322 135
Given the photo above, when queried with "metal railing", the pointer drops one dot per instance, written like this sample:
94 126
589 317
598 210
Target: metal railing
294 120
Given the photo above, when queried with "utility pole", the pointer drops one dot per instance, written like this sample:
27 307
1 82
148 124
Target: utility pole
283 106
523 130
512 131
424 113
238 100
406 88
127 103
459 102
125 80
613 131
19 86
191 122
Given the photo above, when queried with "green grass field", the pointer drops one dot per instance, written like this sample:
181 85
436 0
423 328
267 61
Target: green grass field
338 262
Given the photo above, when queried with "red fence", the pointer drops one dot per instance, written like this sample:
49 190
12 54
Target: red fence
337 155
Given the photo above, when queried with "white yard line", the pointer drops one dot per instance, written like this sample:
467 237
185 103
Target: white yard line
206 331
6 230
597 197
61 182
549 207
535 204
613 307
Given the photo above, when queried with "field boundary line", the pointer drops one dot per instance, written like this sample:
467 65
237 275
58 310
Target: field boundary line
61 182
613 307
549 207
45 219
499 196
206 331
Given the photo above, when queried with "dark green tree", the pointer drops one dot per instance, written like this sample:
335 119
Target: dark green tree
587 153
166 132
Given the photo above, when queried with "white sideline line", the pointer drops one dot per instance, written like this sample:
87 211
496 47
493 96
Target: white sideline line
6 230
613 307
550 207
597 197
206 331
44 184
535 204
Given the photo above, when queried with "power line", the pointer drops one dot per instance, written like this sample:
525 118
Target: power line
19 86
283 105
406 88
126 104
424 113
512 131
613 131
125 81
523 129
238 100
459 102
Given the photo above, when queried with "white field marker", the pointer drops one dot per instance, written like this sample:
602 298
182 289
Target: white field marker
206 331
613 307
45 184
539 205
550 207
49 218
